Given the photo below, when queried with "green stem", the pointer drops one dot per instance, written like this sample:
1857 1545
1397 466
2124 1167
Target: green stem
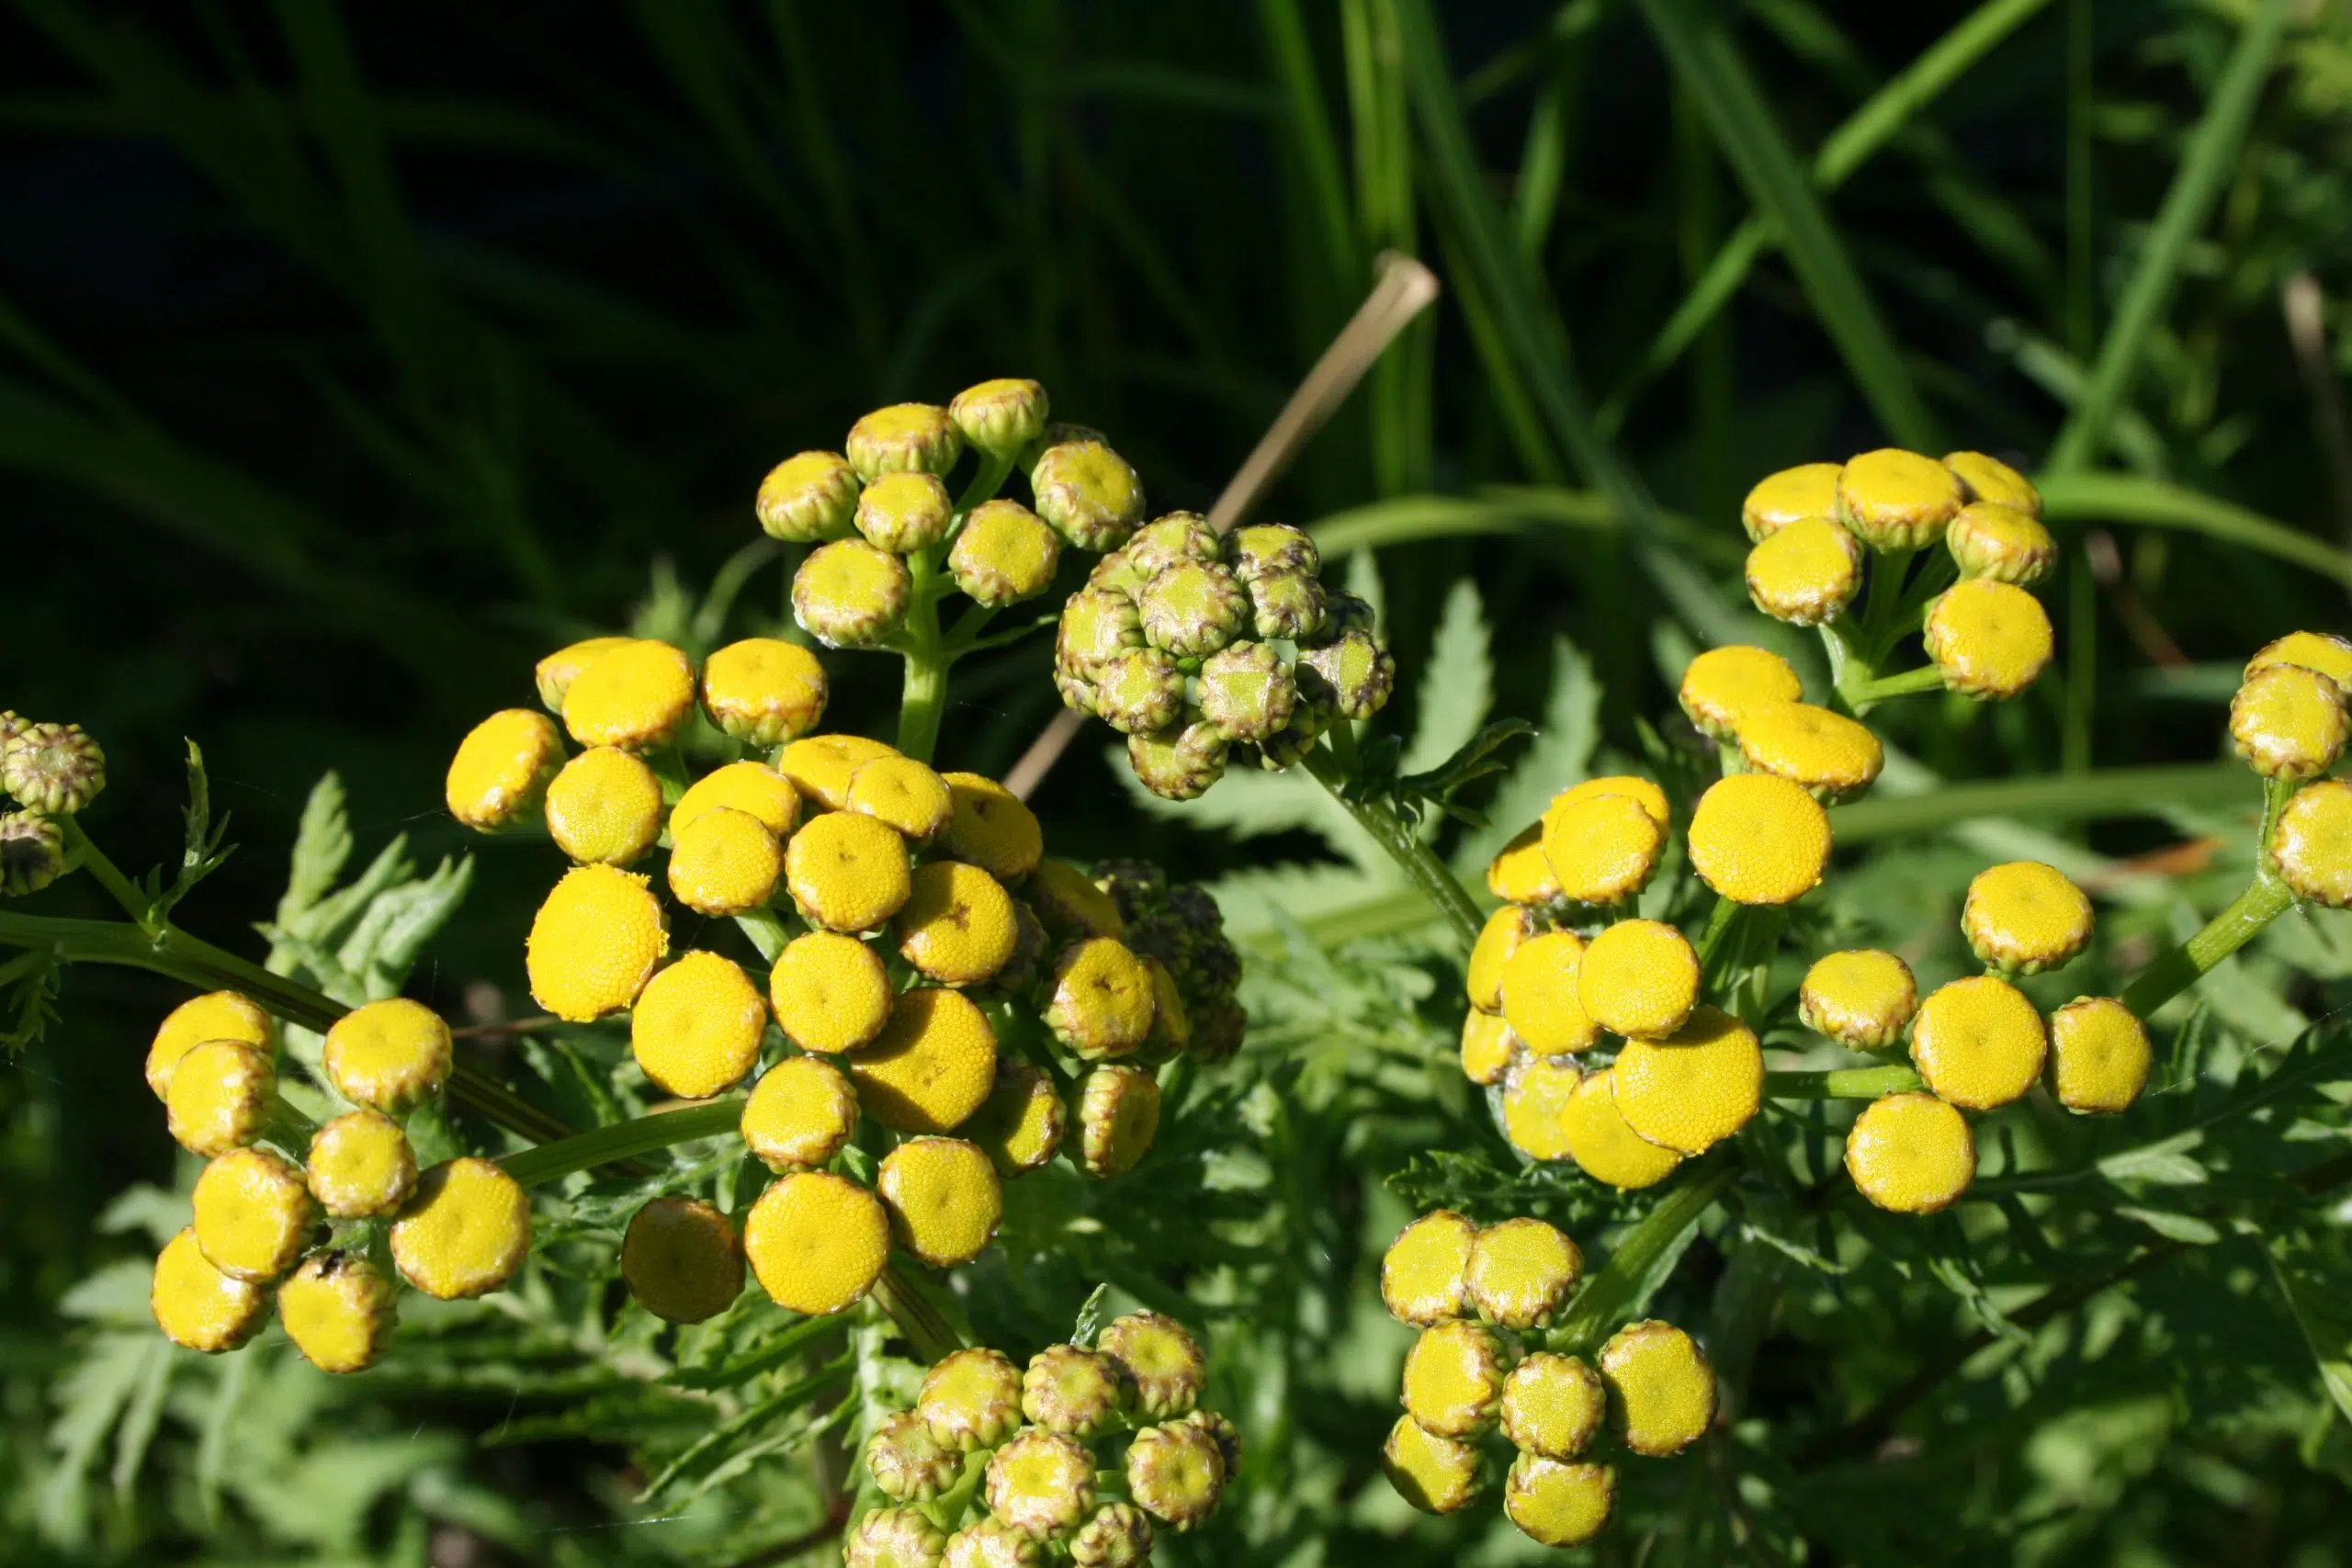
1610 1293
1715 942
2264 899
79 844
986 482
767 931
605 1145
1840 1083
931 1336
1867 693
1420 865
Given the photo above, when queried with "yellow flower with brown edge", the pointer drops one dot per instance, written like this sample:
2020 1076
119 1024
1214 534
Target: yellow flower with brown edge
502 769
2005 543
218 1015
682 1260
2329 653
800 1114
764 690
1541 995
1535 1101
1690 1089
816 1242
932 1067
1558 1503
1911 1152
1723 684
2288 722
1435 1474
361 1166
638 696
198 1307
253 1211
1895 500
392 1056
847 872
2025 916
1424 1275
1594 1133
902 793
556 672
339 1311
1118 1118
753 788
1661 1388
604 808
725 861
2099 1056
1978 1043
1806 573
1834 757
220 1097
1021 1126
990 827
943 1199
808 497
2311 847
1760 839
1862 999
831 992
1809 489
1521 1271
819 765
1988 639
1603 848
465 1231
1553 1404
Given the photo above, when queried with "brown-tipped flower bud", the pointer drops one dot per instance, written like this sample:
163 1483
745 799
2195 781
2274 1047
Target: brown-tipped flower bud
1073 1391
847 593
1354 673
1247 693
53 769
2005 543
1806 573
1138 690
1099 1002
1271 549
1285 606
903 438
1220 1023
907 1464
1223 1433
893 1538
2312 845
1118 1536
1000 417
1178 764
1896 499
971 1399
805 499
1163 1363
1118 1117
1088 492
1004 554
905 512
1136 886
339 1311
1989 479
32 853
989 1543
1192 608
1096 625
1310 715
1168 541
1041 1483
1342 614
1175 1474
2288 722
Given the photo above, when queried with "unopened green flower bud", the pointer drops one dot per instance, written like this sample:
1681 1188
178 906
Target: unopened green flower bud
847 593
1187 933
1192 608
1285 606
1354 674
1117 573
1005 554
53 769
903 513
32 853
1178 764
1989 539
1164 541
1029 944
1095 625
893 1538
1073 1391
12 724
1076 690
1310 715
1246 692
1041 1483
1118 1536
1000 417
1118 1117
1271 549
903 438
1342 614
1163 1363
992 1543
1896 499
1021 1126
806 498
1219 1025
1088 492
1136 886
1139 691
971 1400
1223 1433
1176 1474
907 1463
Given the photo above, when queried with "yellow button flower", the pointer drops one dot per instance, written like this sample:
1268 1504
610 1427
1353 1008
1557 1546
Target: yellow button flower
1542 997
1652 799
638 696
1501 936
221 1015
559 670
1069 903
1091 495
2312 845
2288 722
1861 999
1101 1002
2025 916
819 765
1535 1104
198 1307
1603 848
816 1242
902 793
1724 682
847 873
1988 639
1425 1274
989 826
1661 1388
1453 1379
696 1026
1555 1504
971 1400
1695 1088
1522 873
1832 756
943 1199
604 808
1118 1117
1988 539
806 497
502 769
393 1055
360 1166
1000 417
1895 500
1911 1152
931 1067
754 788
1553 1404
903 438
1004 553
1075 1392
726 862
2098 1055
1488 1047
1760 839
1639 978
2326 652
1436 1476
1978 1043
1603 1144
220 1097
849 595
800 1114
253 1211
338 1310
1040 1484
1021 1126
465 1233
682 1260
1806 573
905 512
1809 489
764 690
593 943
1521 1271
1984 478
958 926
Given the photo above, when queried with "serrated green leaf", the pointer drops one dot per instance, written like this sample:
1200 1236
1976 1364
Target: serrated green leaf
1090 1316
2172 1225
2315 1281
2164 1163
1457 685
321 848
1559 755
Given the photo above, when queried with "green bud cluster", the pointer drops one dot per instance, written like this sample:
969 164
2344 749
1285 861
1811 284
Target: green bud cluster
1181 926
1204 651
52 769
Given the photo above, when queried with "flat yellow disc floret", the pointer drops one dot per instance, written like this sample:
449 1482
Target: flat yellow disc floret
1553 1404
253 1211
1436 1476
1978 1043
361 1166
1724 682
754 788
1896 499
847 873
393 1055
1806 573
764 690
1453 1379
903 792
1603 1144
1424 1276
958 926
638 696
604 808
1639 978
1555 1504
465 1233
2313 846
1535 1104
816 1242
944 1198
338 1310
1540 996
806 497
1759 839
1101 1001
559 670
2025 916
848 593
1040 1485
1603 848
2288 722
502 767
1521 872
989 826
800 1114
1910 1153
1022 1125
903 438
1809 489
1832 756
1652 798
725 861
682 1260
1989 479
1067 899
819 765
220 1097
1695 1088
1661 1388
1488 1047
2005 543
1521 1271
593 943
198 1307
221 1015
1862 999
931 1067
2326 652
1988 637
696 1026
2098 1055
1118 1118
1501 936
831 992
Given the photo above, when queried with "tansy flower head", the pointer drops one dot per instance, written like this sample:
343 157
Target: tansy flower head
903 438
909 1463
1351 674
816 1242
1542 996
905 512
219 1097
1164 1365
820 766
556 672
2312 845
1021 1126
1069 903
958 926
1603 848
1071 1390
2098 1055
1041 1483
1489 1046
1521 1271
32 853
1191 608
361 1166
893 1538
1806 573
1984 478
1521 872
2025 916
1086 492
1652 798
1724 682
221 1015
1861 999
931 1067
1165 541
989 826
393 1055
637 696
944 1198
1895 500
253 1211
1661 1388
1834 757
971 1399
1809 489
502 769
1639 978
1988 637
1118 1117
1178 764
1436 1476
725 861
1978 1043
800 1114
847 872
198 1307
1556 1503
1176 1474
2326 652
1246 692
696 1028
1696 1087
1004 553
1553 1404
1096 625
593 943
1100 1003
1989 539
1595 1134
1000 417
847 593
750 787
339 1311
1911 1152
1138 690
764 690
466 1231
1118 1536
831 992
901 792
1760 839
2288 722
808 497
604 808
1535 1102
1286 607
1424 1276
1453 1378
1501 936
53 769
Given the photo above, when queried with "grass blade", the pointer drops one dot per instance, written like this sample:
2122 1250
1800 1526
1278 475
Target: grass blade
2124 498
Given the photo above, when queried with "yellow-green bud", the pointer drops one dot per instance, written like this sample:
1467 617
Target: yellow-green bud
2288 722
1118 1536
1271 549
1041 1483
1118 1117
893 1538
1163 1363
1000 417
1178 764
1285 606
1989 479
1192 608
989 1542
1165 541
903 513
907 1463
1004 554
1223 1434
971 1400
1989 539
847 593
53 769
1353 674
1075 1392
903 438
1088 492
1558 1503
1175 1474
805 499
1896 499
1096 625
1139 691
2313 846
32 853
1247 693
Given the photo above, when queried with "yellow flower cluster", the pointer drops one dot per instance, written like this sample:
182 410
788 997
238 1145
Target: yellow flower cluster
1481 1298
